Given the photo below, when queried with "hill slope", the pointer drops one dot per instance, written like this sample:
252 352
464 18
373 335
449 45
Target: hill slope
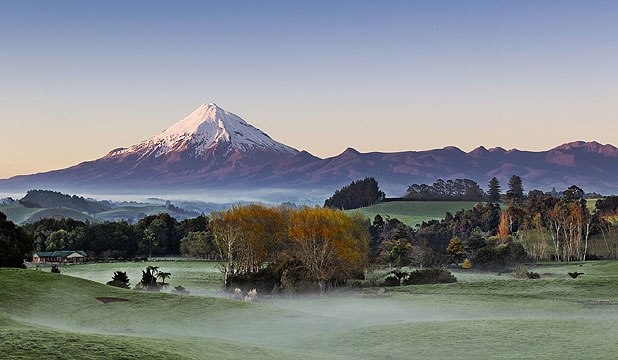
44 314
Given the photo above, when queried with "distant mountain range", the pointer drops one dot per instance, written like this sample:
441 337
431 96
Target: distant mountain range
215 149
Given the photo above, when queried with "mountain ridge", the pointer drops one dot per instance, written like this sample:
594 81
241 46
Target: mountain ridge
215 149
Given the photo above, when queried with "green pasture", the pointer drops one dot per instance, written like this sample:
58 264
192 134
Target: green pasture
413 213
199 277
484 315
136 212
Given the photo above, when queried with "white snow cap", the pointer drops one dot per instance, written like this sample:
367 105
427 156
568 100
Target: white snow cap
205 127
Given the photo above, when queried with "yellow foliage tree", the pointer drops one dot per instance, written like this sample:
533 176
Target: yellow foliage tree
466 264
327 241
503 228
455 247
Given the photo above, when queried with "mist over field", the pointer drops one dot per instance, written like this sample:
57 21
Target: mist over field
328 180
483 315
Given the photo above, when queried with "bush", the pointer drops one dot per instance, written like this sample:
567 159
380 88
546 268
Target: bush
521 272
55 269
502 256
533 275
391 281
437 260
181 290
149 280
430 276
287 277
120 279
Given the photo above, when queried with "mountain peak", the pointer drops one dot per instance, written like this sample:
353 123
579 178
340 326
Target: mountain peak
590 146
205 127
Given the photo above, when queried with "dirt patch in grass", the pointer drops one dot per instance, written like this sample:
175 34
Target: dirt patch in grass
111 299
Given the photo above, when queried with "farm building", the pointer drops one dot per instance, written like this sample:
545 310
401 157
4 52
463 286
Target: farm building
73 256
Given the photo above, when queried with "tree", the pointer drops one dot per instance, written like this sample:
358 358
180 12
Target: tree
455 248
466 264
197 244
163 275
149 280
573 193
515 193
458 189
226 235
360 193
120 279
503 229
323 241
15 244
494 190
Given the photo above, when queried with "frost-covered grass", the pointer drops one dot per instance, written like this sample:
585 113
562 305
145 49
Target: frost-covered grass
199 277
483 316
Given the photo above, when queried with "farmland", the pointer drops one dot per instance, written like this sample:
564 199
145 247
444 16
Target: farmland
415 212
483 315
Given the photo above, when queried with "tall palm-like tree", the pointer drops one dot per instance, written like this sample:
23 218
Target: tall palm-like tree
163 275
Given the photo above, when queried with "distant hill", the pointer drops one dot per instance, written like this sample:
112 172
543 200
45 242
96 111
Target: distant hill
213 149
54 199
40 204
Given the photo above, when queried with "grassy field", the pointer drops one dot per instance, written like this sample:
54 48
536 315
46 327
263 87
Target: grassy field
485 315
20 214
199 277
415 212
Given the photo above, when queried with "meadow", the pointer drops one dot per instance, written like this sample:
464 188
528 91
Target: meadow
484 315
413 213
20 214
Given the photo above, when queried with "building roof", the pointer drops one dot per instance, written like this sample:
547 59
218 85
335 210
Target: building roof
62 253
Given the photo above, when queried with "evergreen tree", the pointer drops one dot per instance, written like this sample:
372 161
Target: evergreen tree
515 194
15 244
494 190
360 193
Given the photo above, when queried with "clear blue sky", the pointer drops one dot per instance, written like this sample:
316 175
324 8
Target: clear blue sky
79 78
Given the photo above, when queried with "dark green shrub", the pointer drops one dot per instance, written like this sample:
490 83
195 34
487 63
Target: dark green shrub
506 255
287 277
120 279
181 290
55 269
533 275
149 280
391 281
429 276
437 260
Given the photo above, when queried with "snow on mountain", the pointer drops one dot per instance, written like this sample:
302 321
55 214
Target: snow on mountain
205 128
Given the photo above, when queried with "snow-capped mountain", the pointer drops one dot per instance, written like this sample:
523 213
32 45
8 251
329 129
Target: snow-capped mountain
215 149
205 128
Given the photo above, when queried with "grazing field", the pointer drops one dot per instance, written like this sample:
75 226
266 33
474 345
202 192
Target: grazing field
20 214
199 277
484 315
415 212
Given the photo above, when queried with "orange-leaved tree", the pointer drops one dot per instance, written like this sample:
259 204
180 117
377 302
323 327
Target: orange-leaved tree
327 241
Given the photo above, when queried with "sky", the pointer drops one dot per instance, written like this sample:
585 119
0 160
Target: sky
80 78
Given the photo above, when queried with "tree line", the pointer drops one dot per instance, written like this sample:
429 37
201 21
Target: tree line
153 235
454 190
534 227
360 193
